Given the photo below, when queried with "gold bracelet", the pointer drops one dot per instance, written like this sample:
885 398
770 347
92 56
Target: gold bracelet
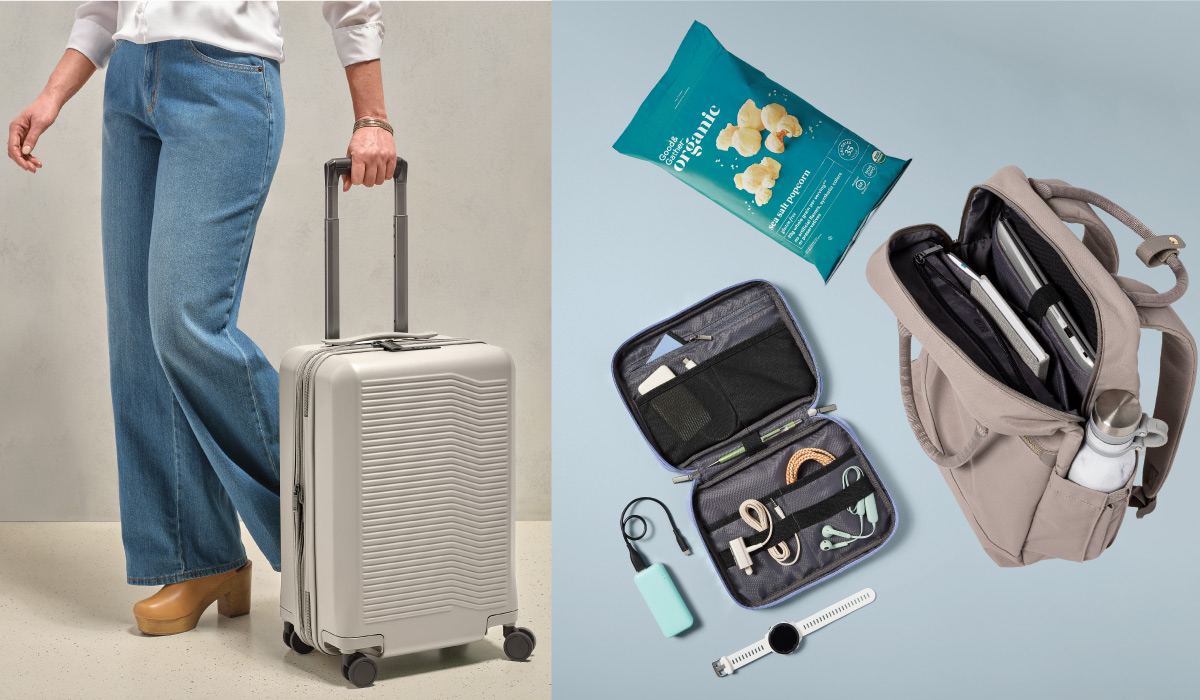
371 121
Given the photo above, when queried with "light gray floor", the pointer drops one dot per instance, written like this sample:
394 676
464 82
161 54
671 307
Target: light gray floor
67 631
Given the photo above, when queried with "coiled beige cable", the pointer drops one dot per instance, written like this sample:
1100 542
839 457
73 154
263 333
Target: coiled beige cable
756 515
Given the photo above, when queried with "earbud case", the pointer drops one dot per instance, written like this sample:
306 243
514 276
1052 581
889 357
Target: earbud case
743 368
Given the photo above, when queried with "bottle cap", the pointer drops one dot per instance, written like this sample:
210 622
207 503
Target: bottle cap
1116 415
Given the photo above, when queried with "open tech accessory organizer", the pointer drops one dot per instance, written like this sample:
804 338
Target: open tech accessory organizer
743 371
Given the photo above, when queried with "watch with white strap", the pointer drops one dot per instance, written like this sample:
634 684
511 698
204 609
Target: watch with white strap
784 637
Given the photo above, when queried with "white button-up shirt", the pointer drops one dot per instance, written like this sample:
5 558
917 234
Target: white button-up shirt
245 27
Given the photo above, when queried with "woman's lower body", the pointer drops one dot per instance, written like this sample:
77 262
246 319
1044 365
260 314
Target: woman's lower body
192 135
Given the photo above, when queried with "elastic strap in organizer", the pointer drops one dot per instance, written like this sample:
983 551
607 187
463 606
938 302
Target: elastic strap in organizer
1043 299
753 443
798 484
801 519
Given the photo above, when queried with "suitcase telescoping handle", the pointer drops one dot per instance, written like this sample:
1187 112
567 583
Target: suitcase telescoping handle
334 169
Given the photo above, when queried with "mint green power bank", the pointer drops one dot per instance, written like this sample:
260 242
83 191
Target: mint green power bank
663 597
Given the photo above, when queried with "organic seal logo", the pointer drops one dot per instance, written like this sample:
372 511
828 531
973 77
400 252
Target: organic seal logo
878 157
848 149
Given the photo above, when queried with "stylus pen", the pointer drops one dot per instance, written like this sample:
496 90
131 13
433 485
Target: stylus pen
764 437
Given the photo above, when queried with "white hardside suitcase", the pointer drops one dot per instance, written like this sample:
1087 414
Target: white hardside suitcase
396 474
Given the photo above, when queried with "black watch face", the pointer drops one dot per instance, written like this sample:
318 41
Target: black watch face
783 638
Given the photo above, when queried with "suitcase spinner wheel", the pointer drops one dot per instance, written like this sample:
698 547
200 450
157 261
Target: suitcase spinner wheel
359 669
292 640
518 643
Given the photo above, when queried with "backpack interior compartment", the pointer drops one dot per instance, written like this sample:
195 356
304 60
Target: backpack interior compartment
942 291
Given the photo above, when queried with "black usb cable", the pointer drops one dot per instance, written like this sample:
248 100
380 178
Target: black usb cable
638 562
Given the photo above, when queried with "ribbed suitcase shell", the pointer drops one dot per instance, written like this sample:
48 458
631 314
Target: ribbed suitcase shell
405 496
408 541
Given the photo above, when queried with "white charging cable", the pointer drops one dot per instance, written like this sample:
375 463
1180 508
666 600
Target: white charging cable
756 515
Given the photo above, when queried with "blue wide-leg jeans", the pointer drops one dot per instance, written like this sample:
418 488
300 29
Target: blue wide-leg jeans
192 135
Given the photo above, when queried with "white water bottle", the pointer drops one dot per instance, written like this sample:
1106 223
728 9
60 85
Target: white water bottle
1116 430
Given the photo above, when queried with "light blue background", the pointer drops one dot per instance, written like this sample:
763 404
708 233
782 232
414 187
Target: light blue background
1102 95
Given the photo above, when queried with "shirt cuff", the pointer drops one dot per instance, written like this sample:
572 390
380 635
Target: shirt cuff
91 40
358 43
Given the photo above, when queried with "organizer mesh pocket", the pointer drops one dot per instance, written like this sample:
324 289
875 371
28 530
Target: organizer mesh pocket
727 393
689 416
682 412
764 376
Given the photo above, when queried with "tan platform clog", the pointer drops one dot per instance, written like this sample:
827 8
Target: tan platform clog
177 607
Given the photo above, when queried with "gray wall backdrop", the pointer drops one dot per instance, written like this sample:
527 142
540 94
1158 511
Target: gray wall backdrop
468 92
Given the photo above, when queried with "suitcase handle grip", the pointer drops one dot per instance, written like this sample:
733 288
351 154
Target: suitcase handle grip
379 336
334 169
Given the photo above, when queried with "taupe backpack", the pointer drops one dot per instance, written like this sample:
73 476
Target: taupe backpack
1003 439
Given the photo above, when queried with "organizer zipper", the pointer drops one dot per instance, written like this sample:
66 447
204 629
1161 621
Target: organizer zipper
720 324
707 333
695 475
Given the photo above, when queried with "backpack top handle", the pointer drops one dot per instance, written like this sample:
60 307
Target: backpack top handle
1154 251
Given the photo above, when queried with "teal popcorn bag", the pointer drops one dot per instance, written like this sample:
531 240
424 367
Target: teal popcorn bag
759 150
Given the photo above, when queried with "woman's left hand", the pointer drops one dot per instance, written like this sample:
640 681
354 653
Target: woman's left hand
372 154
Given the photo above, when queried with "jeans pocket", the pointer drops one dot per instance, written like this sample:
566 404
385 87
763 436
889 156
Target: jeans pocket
224 58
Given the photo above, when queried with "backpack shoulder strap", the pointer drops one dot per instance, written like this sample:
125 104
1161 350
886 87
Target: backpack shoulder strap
1176 382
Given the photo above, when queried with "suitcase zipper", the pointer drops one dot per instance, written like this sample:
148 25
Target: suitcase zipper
305 371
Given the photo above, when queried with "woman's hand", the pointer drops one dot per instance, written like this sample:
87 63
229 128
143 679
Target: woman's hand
72 71
372 155
24 131
372 151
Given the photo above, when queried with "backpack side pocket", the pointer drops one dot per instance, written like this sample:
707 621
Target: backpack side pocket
1074 522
